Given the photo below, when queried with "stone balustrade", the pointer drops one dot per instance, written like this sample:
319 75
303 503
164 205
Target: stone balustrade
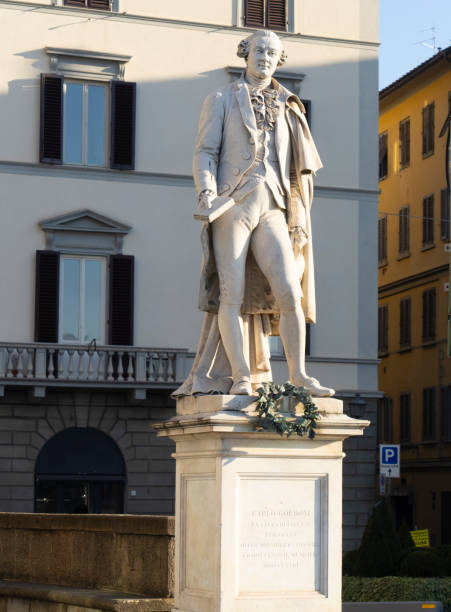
56 364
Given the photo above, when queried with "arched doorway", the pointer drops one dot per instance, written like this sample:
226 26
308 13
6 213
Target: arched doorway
81 471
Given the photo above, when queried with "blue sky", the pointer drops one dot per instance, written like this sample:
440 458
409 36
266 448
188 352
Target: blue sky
403 25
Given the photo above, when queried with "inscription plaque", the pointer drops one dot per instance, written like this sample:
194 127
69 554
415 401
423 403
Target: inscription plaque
279 534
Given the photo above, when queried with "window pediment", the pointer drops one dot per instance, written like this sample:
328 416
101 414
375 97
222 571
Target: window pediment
85 232
77 63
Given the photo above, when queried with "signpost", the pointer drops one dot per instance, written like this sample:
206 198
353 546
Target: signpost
389 456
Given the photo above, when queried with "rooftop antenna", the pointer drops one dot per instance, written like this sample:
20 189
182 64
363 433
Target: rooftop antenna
430 42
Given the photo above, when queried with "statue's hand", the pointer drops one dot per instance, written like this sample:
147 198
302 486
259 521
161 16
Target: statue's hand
206 197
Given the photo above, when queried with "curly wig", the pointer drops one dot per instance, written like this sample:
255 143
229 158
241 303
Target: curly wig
244 45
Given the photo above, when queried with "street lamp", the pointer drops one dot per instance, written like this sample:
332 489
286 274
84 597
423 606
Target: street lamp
357 407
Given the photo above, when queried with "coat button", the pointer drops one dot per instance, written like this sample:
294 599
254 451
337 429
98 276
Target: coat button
252 141
246 155
223 188
236 171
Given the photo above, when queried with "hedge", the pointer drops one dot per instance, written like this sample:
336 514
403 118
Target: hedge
397 588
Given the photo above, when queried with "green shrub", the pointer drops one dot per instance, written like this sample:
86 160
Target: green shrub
350 562
444 552
422 563
380 551
405 539
397 588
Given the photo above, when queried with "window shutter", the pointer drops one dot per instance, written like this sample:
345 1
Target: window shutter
276 14
75 3
444 214
255 13
47 296
51 134
100 4
123 111
122 289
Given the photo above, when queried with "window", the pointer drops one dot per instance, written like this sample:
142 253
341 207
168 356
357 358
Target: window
445 413
428 221
429 306
84 123
383 329
429 414
385 429
404 417
404 143
403 233
382 241
444 214
404 322
82 299
428 129
276 346
383 155
74 120
84 285
104 5
270 14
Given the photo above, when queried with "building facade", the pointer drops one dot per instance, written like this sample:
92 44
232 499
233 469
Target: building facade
414 253
100 254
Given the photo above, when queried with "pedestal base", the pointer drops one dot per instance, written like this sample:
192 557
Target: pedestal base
258 517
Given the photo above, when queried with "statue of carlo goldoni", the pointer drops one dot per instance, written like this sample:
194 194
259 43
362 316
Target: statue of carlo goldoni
254 149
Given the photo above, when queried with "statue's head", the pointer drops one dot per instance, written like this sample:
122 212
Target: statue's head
263 52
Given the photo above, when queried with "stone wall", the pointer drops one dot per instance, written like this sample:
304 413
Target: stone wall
26 425
359 479
132 554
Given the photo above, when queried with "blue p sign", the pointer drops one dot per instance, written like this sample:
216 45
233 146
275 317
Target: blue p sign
389 460
390 455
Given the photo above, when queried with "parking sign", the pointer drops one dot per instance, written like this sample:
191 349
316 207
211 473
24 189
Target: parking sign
389 460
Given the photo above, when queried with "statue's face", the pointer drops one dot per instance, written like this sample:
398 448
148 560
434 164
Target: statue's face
264 55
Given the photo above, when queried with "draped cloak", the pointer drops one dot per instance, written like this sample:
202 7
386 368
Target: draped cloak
211 371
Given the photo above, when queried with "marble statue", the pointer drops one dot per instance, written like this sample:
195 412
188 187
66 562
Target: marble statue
254 146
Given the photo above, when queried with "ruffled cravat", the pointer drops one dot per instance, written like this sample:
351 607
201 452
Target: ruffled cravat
265 106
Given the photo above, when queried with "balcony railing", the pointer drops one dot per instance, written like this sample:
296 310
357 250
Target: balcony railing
110 366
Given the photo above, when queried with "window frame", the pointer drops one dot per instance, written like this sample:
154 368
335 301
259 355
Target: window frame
265 24
404 143
103 298
428 130
405 417
382 253
382 345
429 315
383 155
73 4
85 118
428 221
404 231
429 417
405 323
444 215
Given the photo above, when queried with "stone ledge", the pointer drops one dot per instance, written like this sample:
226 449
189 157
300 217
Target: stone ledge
106 523
94 600
201 404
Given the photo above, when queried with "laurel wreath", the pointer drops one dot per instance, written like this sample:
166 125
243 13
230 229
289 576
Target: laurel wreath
270 397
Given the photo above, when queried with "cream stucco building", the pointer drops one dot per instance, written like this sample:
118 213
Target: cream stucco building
100 254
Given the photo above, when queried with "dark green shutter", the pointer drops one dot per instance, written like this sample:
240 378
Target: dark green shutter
121 295
123 112
51 132
47 296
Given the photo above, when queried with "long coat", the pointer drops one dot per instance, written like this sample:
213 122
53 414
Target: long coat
226 148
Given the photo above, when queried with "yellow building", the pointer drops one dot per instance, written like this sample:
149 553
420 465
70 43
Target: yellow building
414 255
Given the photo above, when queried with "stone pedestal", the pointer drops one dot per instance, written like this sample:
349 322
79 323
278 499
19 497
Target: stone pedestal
258 517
